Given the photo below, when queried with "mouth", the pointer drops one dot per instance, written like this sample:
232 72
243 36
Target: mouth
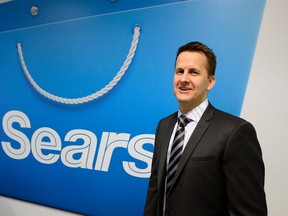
184 89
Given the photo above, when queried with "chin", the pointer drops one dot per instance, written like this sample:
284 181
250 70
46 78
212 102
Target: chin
184 98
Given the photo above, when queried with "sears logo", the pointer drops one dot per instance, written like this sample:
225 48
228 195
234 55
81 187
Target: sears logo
46 139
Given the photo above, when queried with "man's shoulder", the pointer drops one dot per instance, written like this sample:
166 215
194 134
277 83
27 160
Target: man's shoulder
223 116
171 117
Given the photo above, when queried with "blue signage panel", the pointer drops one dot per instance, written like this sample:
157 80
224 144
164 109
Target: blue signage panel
84 83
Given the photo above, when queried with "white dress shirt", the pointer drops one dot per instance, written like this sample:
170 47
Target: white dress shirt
195 115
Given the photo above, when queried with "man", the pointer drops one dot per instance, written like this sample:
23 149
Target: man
214 165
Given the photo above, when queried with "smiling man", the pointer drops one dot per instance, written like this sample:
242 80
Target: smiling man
206 162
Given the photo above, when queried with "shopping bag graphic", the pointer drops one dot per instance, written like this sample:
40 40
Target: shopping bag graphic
83 85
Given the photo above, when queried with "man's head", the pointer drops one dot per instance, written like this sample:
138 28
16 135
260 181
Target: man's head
194 74
202 48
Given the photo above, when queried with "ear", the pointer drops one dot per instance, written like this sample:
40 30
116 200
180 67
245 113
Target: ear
211 82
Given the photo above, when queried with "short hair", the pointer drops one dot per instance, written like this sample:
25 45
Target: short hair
196 46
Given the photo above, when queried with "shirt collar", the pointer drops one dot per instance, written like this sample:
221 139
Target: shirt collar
196 113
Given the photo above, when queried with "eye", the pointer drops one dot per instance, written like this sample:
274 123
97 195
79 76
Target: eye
194 72
179 71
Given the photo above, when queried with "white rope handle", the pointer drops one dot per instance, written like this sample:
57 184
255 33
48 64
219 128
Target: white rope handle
90 97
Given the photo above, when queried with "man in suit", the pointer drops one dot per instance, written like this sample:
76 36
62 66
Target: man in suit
218 169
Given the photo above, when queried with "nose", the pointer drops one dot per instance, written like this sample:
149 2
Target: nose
184 77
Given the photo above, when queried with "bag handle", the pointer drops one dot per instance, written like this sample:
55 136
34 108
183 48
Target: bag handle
92 96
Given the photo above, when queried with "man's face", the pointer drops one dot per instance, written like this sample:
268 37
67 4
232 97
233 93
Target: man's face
191 82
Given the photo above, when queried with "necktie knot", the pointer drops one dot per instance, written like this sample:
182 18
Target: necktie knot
183 120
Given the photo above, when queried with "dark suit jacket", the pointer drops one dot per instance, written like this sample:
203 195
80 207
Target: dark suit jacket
220 173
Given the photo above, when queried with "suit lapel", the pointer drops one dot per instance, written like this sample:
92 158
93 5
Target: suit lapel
198 133
168 127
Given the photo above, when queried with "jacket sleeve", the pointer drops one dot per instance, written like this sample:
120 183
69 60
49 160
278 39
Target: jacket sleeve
244 173
151 205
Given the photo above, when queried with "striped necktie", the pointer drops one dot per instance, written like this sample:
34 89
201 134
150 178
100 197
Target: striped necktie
176 151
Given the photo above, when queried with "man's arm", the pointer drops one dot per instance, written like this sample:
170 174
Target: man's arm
151 205
244 173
